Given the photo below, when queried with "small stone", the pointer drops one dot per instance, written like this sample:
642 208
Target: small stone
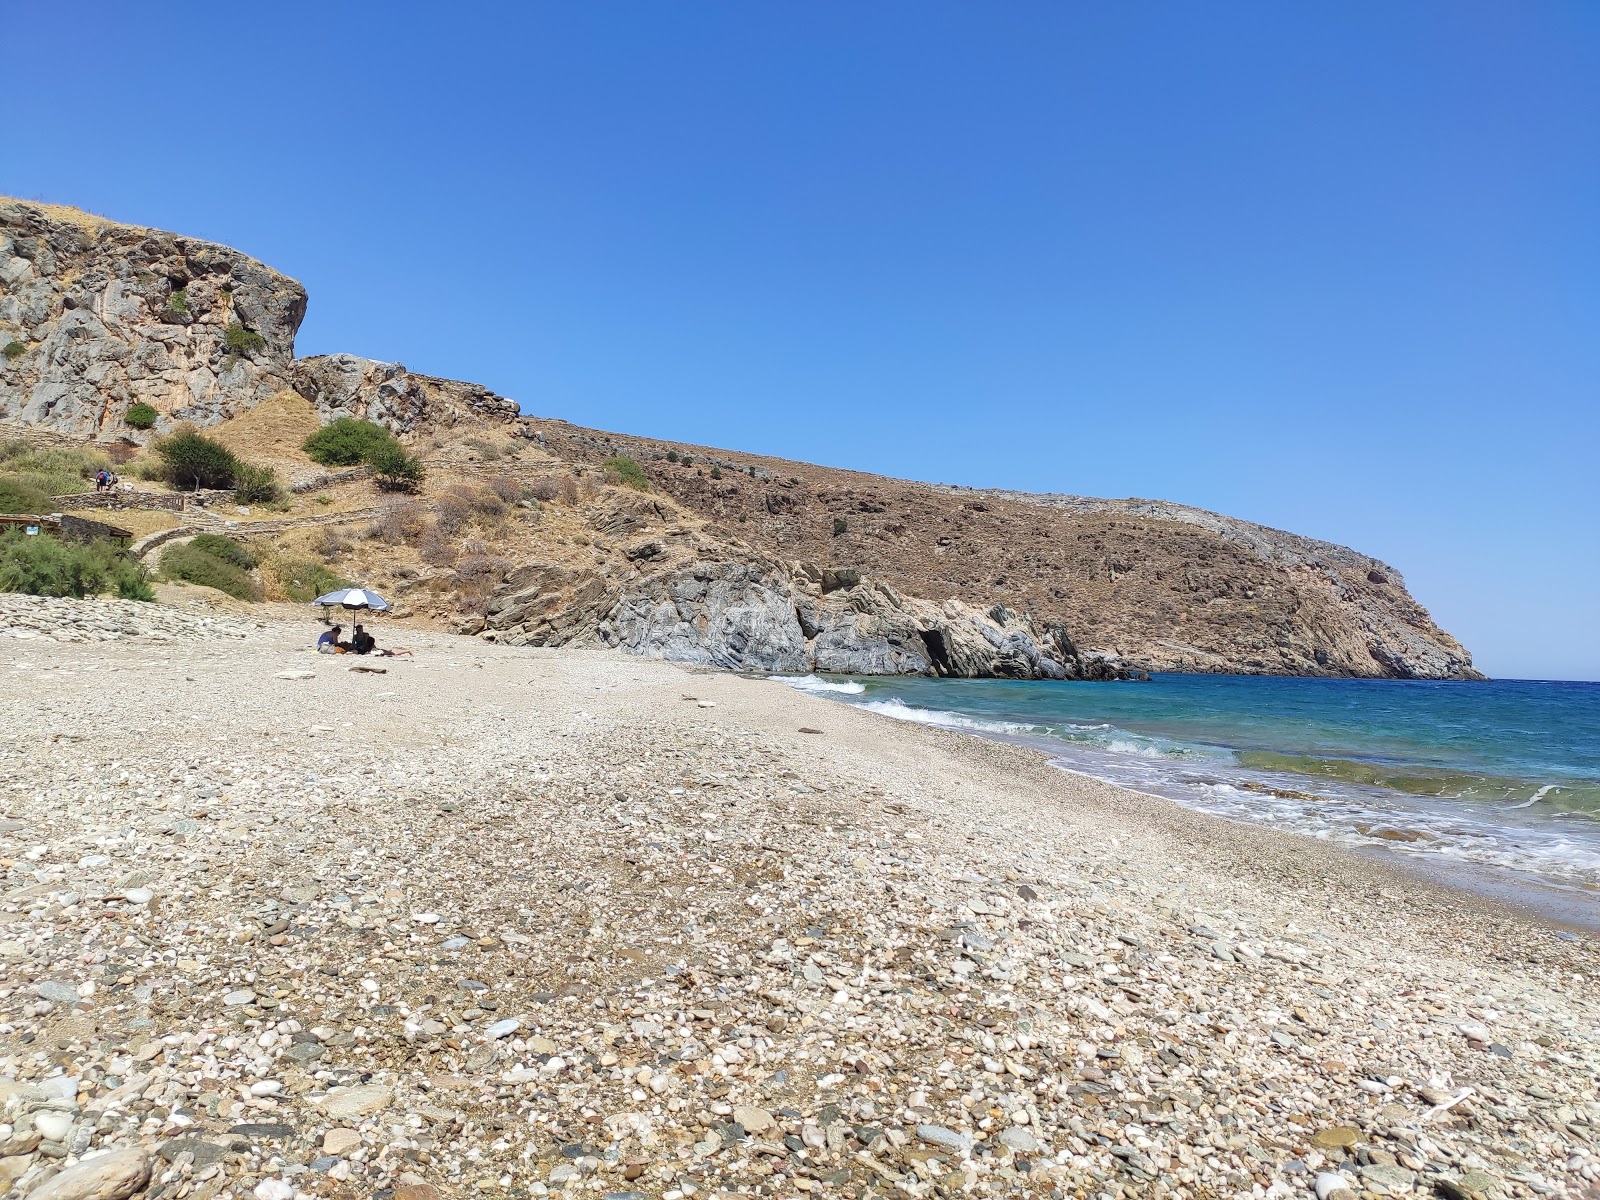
1387 1180
53 1126
138 895
1336 1136
111 1176
938 1135
754 1120
1020 1140
274 1189
1331 1186
502 1029
416 1191
339 1142
295 675
356 1101
236 998
56 991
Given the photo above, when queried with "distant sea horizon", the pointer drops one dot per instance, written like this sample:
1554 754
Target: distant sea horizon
1491 784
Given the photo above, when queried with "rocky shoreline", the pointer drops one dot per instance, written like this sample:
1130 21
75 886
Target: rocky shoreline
516 922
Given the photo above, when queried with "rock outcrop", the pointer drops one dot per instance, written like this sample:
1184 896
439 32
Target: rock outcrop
753 614
1150 585
95 316
344 385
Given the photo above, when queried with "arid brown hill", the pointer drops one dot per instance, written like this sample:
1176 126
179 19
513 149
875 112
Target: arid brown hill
1159 586
96 316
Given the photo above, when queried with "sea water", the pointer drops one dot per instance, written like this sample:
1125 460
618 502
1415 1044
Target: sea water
1499 779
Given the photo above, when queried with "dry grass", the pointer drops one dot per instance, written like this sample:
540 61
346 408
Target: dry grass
137 521
66 214
272 432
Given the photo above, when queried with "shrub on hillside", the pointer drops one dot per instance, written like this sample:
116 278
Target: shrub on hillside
194 461
346 442
436 549
453 509
507 488
224 548
306 579
255 485
20 497
623 470
399 520
236 339
141 415
42 566
545 489
193 565
395 470
15 350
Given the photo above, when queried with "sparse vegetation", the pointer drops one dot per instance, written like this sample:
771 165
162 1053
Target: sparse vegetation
14 350
623 470
141 415
687 461
194 461
178 302
194 565
305 579
398 521
672 456
544 489
226 549
54 470
255 485
20 497
42 566
716 472
507 488
347 442
840 525
395 470
238 340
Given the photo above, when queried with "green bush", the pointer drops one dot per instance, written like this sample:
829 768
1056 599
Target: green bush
42 566
305 579
141 415
193 565
178 302
14 350
236 339
396 470
20 497
197 462
255 485
839 526
225 549
346 442
627 472
54 470
672 456
687 461
716 472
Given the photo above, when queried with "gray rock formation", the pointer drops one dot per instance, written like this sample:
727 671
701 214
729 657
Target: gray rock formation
755 616
98 316
344 385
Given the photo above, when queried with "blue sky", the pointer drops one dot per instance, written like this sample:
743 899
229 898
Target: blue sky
1331 267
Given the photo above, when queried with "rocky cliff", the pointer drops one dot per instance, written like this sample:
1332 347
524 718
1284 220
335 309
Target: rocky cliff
745 561
95 316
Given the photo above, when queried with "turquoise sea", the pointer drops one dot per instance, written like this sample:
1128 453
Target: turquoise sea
1489 781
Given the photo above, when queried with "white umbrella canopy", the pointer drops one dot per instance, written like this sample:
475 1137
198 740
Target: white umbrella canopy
354 598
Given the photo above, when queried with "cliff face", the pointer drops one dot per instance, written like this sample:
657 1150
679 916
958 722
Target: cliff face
1148 584
789 566
99 315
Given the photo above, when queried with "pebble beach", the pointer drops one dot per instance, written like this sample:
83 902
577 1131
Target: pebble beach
505 922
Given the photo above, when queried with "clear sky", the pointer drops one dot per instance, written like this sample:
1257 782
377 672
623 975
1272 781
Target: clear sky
1333 267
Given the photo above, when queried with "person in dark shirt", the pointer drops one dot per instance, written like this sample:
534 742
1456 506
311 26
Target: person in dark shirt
362 642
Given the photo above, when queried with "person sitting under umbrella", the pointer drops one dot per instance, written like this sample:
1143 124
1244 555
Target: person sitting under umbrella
362 642
329 642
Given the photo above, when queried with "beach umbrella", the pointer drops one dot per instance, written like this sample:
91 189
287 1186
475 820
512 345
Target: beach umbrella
353 598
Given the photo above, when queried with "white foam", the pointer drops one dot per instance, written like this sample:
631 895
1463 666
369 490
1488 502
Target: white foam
901 711
813 683
1536 797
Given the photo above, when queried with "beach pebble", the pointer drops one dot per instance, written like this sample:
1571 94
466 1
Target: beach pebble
111 1176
